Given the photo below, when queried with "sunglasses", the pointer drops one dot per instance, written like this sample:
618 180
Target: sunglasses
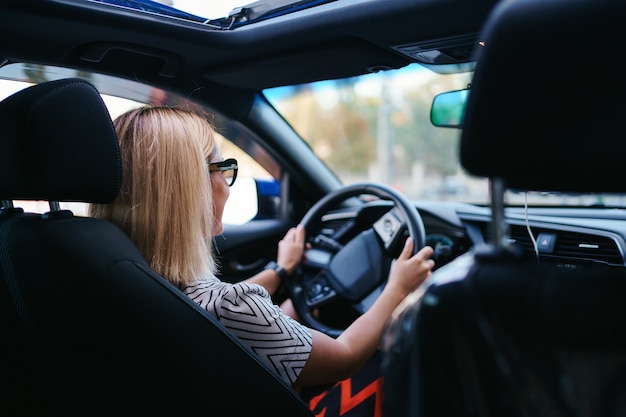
228 167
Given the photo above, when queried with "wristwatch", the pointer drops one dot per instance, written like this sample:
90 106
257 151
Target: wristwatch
282 272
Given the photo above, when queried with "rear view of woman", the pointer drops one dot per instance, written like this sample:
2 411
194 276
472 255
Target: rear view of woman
175 185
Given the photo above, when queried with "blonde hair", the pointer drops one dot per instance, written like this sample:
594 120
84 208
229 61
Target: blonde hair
165 204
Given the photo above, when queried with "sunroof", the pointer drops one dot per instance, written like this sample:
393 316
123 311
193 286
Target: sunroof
218 14
210 9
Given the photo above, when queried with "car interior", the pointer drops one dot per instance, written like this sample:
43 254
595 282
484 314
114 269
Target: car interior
504 333
68 351
503 154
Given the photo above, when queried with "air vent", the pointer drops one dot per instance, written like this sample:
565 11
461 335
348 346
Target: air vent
596 247
520 237
333 224
567 244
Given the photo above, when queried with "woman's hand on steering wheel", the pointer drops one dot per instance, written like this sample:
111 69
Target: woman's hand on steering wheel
291 249
409 271
357 270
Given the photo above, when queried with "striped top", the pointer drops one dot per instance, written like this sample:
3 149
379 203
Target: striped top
248 311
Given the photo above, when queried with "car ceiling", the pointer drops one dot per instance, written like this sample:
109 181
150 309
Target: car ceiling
334 40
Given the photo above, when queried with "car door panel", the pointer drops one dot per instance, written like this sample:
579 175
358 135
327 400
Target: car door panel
243 250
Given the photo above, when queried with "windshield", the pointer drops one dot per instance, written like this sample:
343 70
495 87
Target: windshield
377 127
374 127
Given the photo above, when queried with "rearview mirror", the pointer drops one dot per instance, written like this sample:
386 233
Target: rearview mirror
448 109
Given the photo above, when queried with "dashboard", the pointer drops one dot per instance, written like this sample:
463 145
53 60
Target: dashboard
567 236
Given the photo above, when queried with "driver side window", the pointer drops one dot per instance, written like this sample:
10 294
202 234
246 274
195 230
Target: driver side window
255 194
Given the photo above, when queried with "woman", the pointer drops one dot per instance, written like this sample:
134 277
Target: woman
171 202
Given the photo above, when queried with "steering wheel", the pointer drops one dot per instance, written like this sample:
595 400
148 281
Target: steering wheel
356 270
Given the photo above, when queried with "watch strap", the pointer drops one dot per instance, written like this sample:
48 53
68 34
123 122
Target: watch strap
282 272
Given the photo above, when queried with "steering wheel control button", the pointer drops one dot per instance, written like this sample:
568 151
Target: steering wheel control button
317 291
389 228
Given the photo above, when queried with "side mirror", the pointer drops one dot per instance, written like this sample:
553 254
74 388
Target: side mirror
268 197
448 109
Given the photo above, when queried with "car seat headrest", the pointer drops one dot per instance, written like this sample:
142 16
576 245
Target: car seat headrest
547 98
58 143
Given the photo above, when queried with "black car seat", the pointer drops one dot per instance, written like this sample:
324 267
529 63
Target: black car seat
87 327
500 332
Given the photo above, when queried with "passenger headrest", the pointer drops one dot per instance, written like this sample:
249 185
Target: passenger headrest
57 143
548 97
